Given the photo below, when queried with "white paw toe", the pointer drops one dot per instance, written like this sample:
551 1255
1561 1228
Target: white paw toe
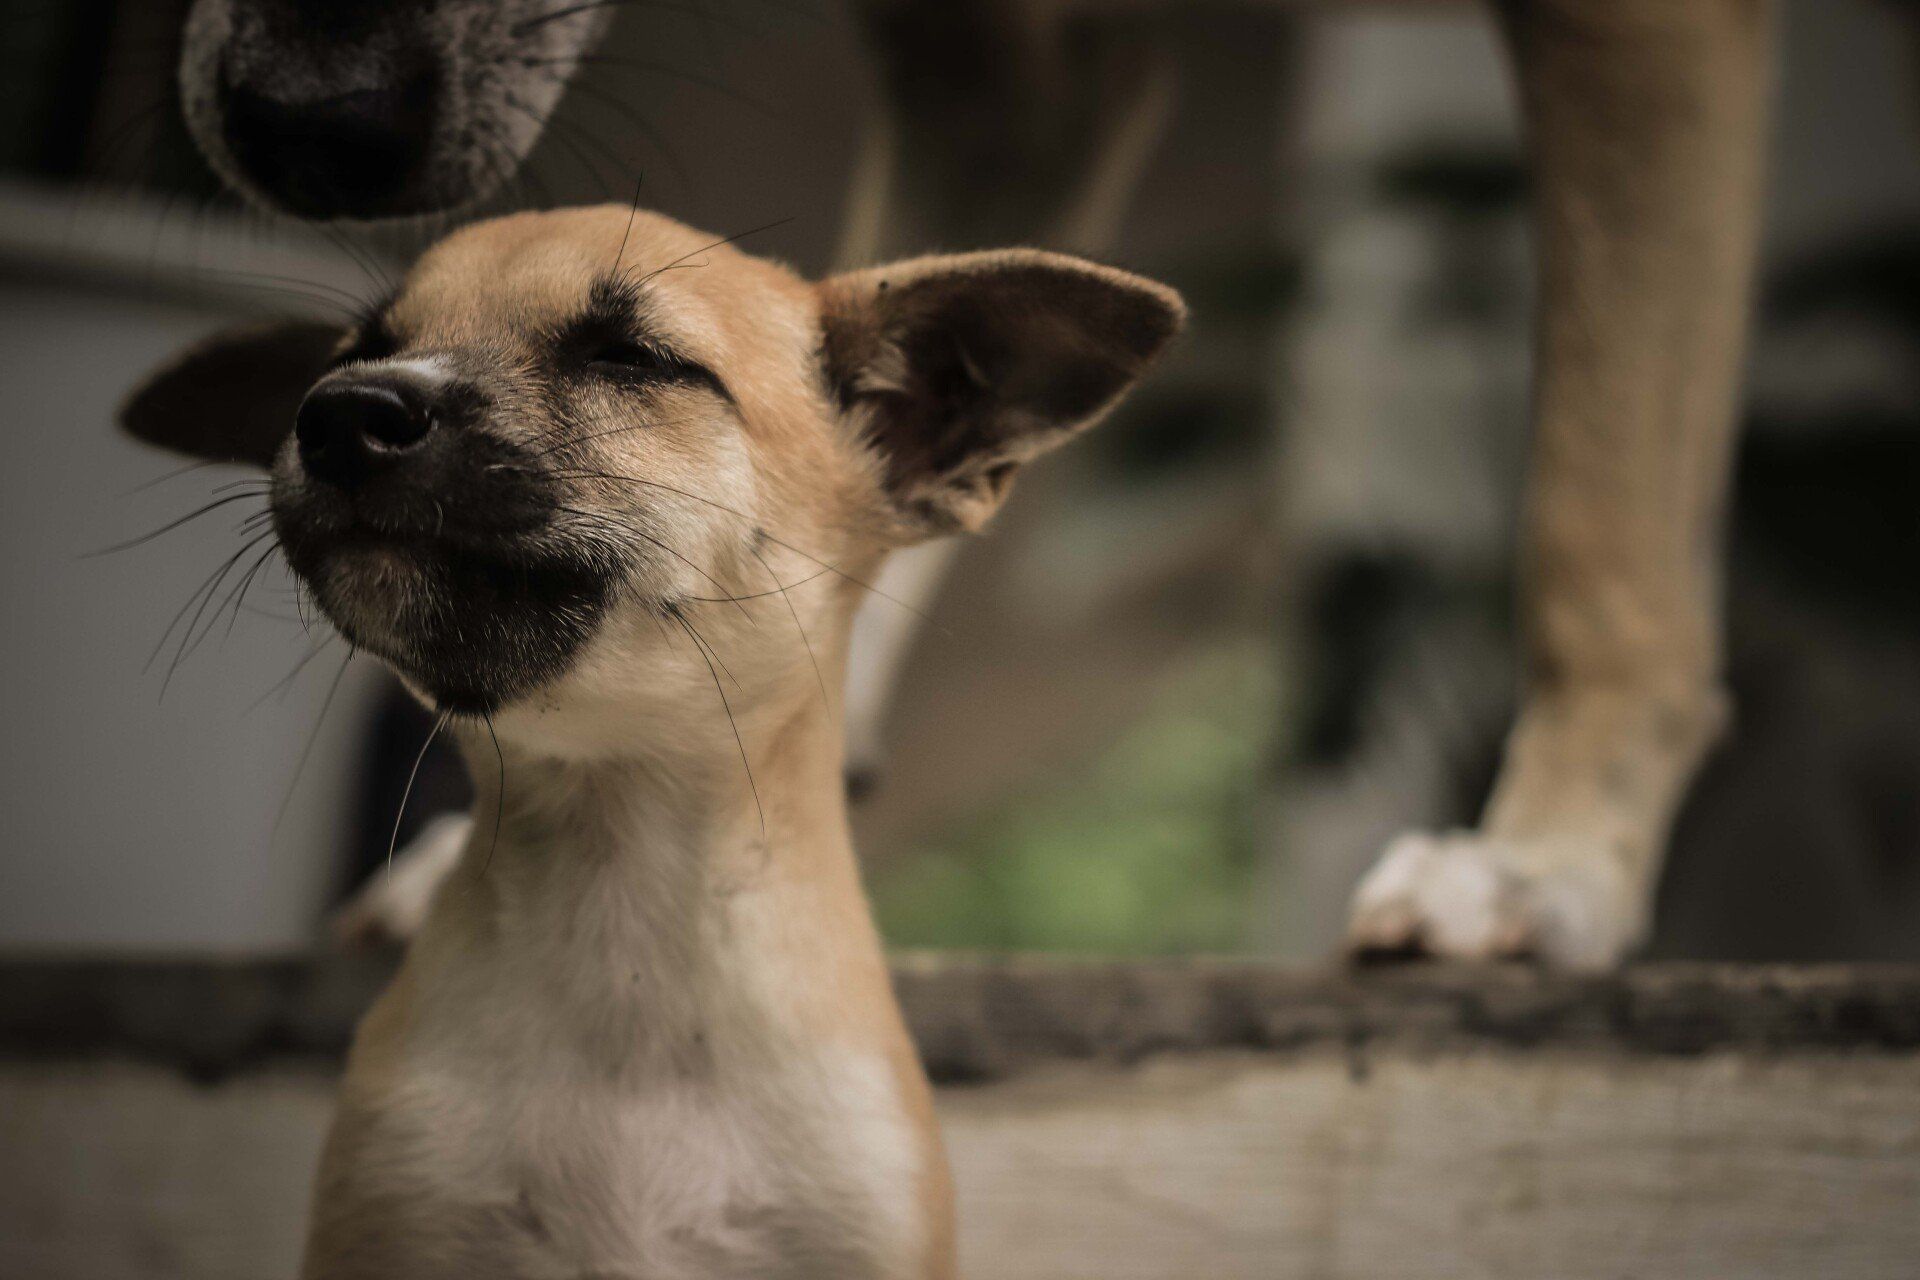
1464 896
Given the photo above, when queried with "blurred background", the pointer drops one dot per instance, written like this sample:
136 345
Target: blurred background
1208 662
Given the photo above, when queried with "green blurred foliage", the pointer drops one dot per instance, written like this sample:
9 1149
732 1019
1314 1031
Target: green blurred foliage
1147 850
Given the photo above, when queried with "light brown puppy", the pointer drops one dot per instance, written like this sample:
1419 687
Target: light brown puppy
609 490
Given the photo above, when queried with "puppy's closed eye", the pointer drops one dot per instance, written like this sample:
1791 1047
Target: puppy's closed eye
621 359
622 356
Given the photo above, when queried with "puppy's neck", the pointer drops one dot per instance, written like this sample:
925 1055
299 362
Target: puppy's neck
711 807
645 898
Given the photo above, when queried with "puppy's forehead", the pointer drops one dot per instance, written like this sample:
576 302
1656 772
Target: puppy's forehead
532 269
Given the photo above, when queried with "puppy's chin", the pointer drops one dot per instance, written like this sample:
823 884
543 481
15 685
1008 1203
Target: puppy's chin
471 631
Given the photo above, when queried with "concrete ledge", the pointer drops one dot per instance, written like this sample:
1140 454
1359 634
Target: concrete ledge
985 1018
1153 1120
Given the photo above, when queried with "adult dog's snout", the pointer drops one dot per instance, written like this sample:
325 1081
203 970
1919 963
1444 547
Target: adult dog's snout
354 154
352 431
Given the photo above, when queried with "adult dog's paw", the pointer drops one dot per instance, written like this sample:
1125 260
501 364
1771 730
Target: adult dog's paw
390 907
1465 896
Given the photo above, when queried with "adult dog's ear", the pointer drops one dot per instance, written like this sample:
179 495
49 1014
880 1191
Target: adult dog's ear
232 397
959 369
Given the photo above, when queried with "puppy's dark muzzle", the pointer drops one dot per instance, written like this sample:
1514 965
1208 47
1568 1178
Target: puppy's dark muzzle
351 434
388 453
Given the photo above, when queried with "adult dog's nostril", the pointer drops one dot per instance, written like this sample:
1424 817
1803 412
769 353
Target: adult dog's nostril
350 432
354 154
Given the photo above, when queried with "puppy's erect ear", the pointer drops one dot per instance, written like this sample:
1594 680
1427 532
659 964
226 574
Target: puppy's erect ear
232 397
959 369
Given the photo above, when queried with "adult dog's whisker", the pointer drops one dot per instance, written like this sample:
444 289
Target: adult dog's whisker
639 121
663 68
361 257
587 6
551 127
706 15
315 289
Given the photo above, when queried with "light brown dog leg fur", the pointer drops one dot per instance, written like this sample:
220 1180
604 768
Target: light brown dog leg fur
1646 124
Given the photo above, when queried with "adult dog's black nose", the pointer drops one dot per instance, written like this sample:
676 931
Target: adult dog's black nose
357 154
351 432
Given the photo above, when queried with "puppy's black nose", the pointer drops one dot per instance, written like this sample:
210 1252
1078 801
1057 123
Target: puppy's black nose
356 154
351 432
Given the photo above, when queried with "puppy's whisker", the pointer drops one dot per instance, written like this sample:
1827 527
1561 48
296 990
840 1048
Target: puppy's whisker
174 474
313 736
413 773
673 607
628 527
758 595
724 240
572 441
825 566
204 595
234 594
825 699
240 595
500 793
286 682
701 648
633 211
170 525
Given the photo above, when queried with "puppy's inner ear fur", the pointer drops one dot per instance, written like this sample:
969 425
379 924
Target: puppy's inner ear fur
232 397
959 369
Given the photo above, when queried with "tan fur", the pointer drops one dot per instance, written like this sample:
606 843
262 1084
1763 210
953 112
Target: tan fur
1646 121
646 1028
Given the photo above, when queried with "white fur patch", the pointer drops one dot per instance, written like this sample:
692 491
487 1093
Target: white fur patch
1476 897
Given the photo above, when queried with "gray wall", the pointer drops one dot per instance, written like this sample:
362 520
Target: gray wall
134 822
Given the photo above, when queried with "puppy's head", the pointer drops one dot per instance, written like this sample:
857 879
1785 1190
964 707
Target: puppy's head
595 463
376 108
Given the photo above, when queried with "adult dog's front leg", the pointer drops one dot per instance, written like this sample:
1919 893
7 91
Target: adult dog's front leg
1645 121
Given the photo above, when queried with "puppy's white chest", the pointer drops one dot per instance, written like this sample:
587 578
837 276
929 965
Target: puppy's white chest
796 1171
